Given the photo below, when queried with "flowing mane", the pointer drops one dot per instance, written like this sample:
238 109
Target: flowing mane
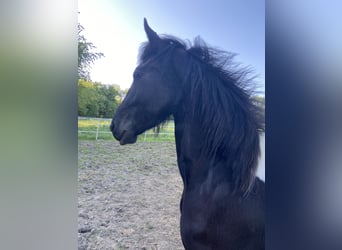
221 94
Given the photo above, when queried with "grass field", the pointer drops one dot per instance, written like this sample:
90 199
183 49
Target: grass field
95 128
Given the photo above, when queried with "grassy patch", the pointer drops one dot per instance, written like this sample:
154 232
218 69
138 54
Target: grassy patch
94 128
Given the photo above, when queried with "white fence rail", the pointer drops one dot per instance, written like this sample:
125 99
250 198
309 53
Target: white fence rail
100 123
96 132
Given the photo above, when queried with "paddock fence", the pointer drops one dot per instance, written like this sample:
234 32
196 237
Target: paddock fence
90 128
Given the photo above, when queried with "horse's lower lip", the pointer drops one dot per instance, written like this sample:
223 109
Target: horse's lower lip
122 137
127 138
116 135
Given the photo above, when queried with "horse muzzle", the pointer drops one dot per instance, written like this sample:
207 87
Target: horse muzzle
122 133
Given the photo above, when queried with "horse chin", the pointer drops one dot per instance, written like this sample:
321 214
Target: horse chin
128 138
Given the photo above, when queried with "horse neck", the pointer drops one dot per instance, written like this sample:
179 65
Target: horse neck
194 165
235 164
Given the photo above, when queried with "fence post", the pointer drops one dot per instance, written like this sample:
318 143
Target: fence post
97 130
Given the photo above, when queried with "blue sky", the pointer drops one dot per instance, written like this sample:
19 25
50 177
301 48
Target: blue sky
116 28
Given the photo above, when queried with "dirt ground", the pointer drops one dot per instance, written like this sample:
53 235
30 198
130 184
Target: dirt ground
128 196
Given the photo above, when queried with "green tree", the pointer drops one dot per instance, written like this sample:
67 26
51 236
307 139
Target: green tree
86 57
88 104
97 100
111 100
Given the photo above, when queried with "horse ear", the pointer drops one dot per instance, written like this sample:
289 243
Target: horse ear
152 36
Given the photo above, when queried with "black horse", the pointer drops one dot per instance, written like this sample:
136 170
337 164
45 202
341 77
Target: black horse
217 126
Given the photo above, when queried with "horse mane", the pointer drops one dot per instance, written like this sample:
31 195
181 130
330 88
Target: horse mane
221 96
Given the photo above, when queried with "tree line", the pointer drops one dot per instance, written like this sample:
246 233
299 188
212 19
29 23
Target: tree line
98 100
